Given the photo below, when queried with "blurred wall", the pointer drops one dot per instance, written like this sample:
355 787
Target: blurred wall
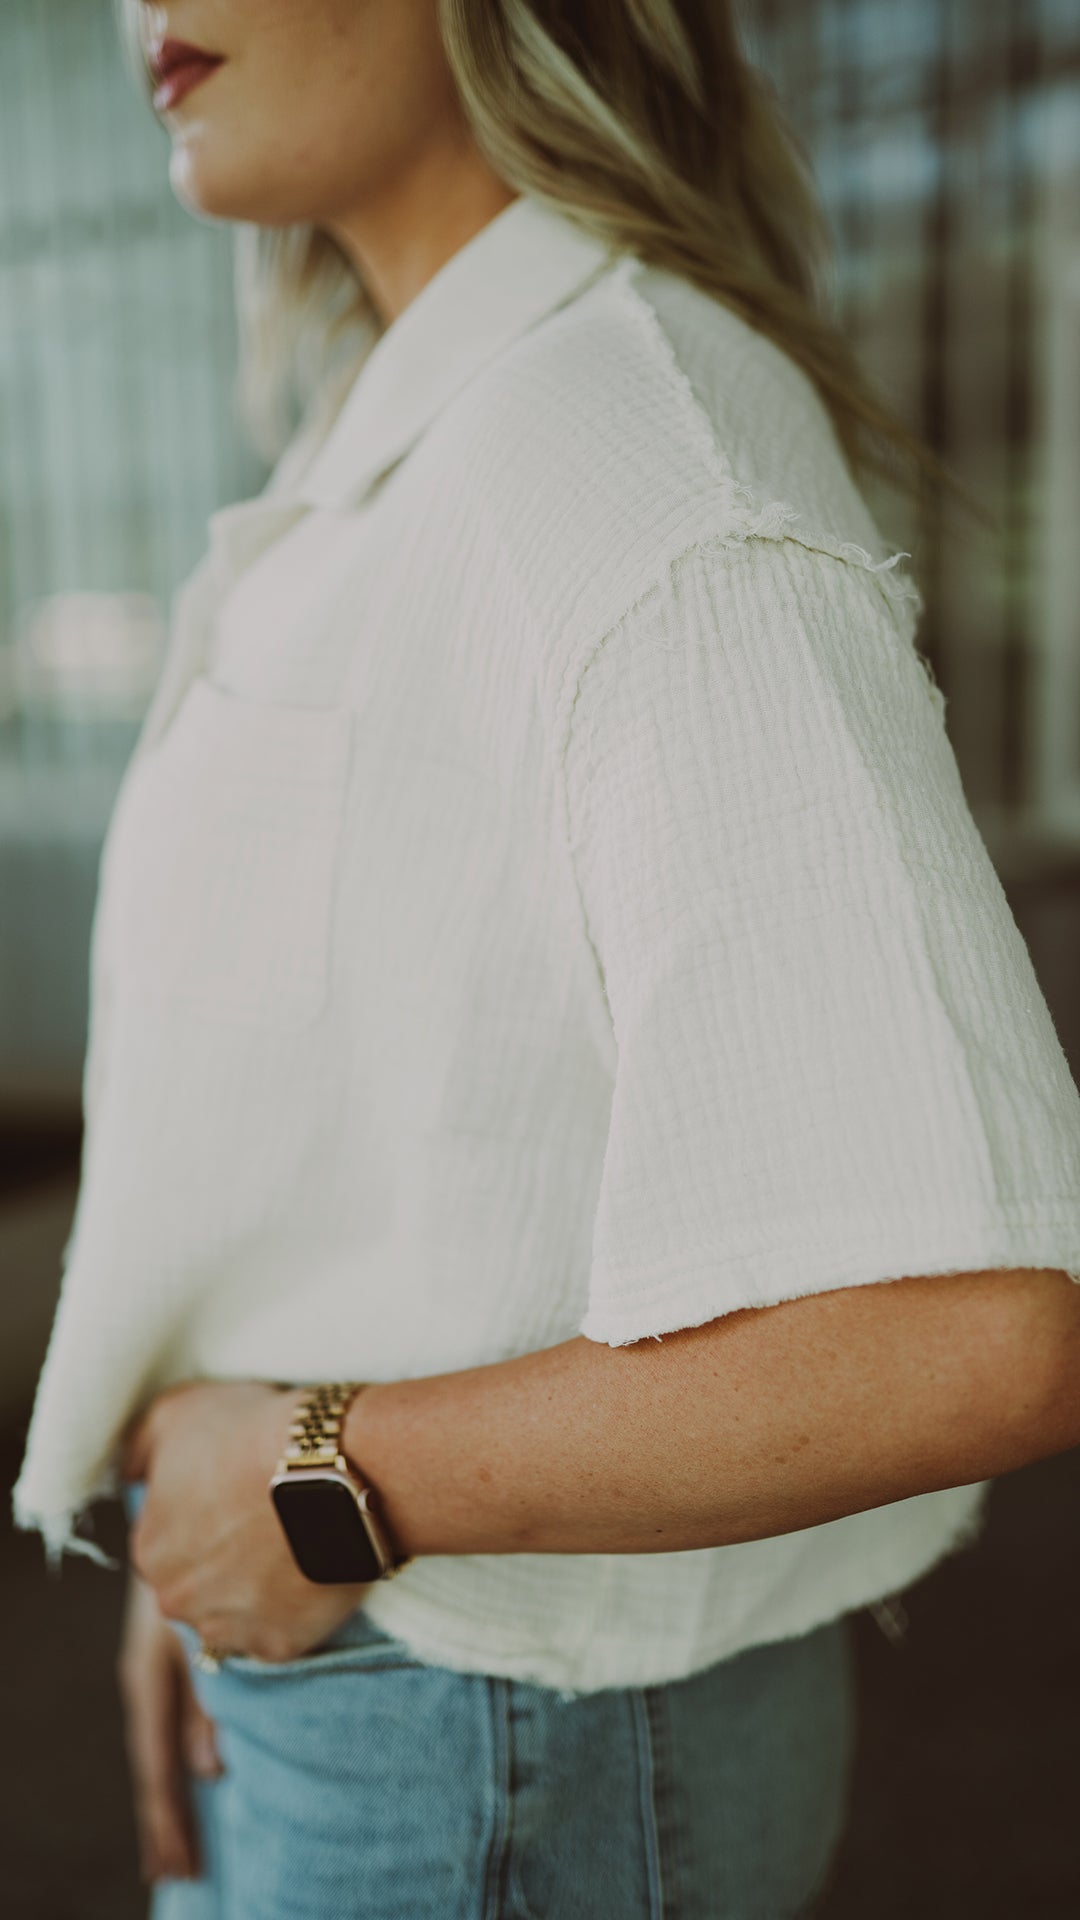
946 140
117 352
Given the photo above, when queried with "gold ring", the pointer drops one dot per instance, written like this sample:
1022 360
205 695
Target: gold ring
209 1659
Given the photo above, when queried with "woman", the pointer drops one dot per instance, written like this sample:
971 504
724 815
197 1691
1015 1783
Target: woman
545 975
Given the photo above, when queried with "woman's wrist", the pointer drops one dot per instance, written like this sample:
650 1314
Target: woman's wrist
358 1444
282 1410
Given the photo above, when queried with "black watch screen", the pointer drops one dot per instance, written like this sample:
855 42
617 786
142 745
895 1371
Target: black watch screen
326 1531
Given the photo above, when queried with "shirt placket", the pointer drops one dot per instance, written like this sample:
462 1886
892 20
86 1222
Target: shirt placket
238 534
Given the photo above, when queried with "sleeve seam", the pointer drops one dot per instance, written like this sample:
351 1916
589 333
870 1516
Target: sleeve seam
750 524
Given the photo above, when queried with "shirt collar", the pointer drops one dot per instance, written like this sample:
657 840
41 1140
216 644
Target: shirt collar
528 260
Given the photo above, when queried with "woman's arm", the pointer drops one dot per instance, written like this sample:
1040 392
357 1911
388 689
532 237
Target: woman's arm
762 1422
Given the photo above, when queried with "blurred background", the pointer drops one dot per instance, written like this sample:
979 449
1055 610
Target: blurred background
945 135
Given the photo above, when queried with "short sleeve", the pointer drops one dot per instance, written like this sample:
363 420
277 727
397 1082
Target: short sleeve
833 1061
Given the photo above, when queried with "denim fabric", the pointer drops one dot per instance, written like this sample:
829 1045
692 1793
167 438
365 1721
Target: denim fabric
361 1783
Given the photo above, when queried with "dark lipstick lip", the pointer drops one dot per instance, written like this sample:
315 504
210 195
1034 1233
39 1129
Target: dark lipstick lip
167 55
181 81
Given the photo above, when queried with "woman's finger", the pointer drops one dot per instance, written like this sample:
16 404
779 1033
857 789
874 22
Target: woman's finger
151 1673
198 1734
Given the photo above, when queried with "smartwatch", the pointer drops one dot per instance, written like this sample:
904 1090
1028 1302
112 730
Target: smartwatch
322 1501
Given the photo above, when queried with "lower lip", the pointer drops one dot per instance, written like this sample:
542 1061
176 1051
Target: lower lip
180 82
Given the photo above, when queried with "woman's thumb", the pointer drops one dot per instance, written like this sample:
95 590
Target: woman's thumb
198 1737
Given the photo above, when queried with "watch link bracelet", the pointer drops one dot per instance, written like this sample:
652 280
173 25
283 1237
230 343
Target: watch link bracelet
323 1503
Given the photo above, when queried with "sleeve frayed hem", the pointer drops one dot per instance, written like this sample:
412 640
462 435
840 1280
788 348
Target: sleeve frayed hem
653 1309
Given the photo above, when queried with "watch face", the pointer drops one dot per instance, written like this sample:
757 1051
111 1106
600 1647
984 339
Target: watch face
325 1529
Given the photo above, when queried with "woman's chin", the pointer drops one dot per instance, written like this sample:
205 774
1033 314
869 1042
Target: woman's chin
214 191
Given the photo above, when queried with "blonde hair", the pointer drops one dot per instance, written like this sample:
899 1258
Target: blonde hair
647 125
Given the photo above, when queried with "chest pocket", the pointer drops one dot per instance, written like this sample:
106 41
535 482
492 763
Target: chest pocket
222 858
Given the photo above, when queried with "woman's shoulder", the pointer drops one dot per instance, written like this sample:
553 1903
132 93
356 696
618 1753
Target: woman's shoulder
640 420
762 421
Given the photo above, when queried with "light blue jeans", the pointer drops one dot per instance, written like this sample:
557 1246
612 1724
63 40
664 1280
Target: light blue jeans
361 1783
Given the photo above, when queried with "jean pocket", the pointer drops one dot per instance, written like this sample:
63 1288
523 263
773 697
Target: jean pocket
358 1643
359 1646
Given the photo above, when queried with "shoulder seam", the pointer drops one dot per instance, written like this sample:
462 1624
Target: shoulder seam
773 516
752 516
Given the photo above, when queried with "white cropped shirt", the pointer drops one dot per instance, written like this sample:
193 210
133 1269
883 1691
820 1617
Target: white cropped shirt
542 901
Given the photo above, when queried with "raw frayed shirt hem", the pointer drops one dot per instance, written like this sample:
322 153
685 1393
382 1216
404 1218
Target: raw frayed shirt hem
653 1301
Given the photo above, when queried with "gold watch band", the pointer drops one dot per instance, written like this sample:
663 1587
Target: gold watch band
315 1434
315 1439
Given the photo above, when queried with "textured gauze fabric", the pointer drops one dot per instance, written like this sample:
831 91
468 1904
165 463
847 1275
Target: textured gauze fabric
542 901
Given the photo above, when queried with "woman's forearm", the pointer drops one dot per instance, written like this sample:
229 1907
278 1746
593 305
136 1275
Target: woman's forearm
760 1423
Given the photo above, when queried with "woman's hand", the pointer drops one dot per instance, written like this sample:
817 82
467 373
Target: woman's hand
167 1735
207 1538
